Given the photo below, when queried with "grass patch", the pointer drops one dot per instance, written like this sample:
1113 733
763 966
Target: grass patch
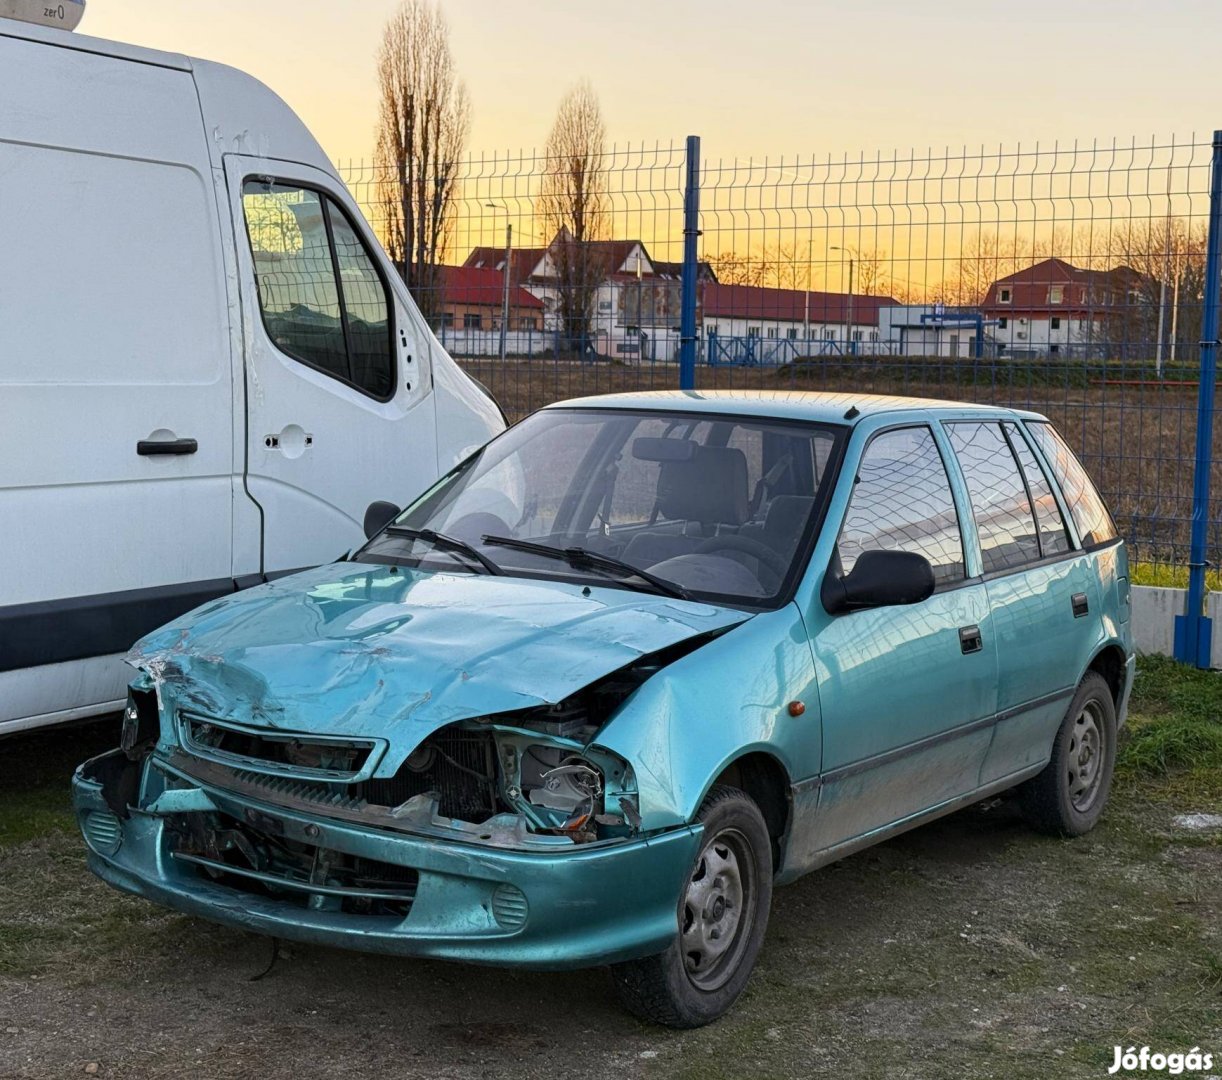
1163 576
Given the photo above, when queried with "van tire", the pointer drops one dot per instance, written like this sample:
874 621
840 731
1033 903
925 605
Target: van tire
1068 797
670 988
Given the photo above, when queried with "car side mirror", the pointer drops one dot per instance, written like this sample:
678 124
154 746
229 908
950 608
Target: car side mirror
878 579
377 516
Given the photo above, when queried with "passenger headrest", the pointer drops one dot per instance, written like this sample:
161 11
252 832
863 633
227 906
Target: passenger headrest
711 488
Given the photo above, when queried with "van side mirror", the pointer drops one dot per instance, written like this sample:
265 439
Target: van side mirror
377 516
878 579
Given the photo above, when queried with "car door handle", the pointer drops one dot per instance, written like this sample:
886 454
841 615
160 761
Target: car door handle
970 639
1081 605
153 447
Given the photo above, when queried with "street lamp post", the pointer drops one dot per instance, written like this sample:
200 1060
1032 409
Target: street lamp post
852 254
505 283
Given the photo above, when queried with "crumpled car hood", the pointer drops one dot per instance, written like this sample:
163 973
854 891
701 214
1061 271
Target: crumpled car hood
357 648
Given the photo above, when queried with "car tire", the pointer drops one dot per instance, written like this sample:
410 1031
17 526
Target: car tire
1067 798
700 976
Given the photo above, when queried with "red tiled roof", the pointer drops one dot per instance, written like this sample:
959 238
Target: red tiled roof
1081 289
478 285
789 305
524 260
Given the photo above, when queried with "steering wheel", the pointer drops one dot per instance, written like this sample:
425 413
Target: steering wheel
748 546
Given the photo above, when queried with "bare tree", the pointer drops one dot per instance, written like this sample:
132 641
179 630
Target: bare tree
574 207
733 268
871 273
423 121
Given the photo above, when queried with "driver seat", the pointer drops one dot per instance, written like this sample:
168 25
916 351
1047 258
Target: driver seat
707 491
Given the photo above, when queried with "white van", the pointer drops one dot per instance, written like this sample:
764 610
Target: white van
208 366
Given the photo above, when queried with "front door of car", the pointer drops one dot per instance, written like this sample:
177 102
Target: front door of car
339 411
907 692
1042 592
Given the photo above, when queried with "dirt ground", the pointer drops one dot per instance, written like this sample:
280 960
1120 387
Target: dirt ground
968 948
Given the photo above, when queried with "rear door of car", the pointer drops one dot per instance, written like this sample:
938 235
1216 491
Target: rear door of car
1040 584
907 692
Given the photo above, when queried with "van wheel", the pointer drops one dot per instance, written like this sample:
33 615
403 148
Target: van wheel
722 916
1067 798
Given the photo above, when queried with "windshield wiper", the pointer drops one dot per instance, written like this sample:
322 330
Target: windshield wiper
584 559
446 543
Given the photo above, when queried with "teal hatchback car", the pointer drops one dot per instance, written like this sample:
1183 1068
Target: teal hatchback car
621 672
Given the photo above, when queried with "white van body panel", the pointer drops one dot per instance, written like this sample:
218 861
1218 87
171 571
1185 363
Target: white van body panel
128 313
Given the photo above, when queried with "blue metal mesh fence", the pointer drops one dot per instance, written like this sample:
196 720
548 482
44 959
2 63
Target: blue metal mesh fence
1067 279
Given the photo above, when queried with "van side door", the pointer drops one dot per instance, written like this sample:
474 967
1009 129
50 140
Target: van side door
116 426
907 692
339 409
1041 591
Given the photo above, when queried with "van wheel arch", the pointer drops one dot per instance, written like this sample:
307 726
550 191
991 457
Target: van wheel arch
764 780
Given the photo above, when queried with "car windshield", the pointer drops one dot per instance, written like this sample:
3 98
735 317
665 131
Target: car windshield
718 508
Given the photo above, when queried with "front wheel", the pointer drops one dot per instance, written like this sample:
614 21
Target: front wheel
1067 798
722 916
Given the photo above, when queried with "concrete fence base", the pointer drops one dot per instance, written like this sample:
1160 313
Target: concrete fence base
1154 612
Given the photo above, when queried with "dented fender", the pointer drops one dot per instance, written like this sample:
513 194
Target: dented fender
727 699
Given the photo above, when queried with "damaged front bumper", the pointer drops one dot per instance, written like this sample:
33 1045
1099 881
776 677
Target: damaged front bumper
375 890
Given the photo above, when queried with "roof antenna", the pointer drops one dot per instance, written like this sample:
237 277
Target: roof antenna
853 413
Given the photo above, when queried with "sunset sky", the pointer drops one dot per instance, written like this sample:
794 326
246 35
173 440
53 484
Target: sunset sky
757 78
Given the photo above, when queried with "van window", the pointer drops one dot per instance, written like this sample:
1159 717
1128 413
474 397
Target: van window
1004 519
322 299
902 502
1090 515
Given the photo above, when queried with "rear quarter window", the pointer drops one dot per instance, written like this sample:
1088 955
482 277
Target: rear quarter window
1090 515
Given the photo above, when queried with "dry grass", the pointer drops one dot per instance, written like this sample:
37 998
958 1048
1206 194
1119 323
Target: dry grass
1135 437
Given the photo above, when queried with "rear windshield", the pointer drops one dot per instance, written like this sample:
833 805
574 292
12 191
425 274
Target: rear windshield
1090 515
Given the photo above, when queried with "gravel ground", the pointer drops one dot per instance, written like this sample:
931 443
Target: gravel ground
967 948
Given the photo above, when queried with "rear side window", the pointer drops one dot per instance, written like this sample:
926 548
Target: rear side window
902 502
1090 515
321 296
1054 535
1004 519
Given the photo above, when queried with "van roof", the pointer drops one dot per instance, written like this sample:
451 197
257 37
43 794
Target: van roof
68 39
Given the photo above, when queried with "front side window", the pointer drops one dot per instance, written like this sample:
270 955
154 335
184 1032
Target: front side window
322 299
902 502
1090 515
1004 520
722 507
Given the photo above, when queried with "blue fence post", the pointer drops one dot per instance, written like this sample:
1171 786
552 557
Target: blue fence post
1193 629
691 230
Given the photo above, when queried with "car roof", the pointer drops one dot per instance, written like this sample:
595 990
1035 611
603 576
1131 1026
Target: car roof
829 408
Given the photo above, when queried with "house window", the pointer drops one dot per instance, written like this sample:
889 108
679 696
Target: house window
1002 323
472 320
528 322
1003 296
792 333
753 331
1054 348
1056 324
857 335
829 335
1056 294
873 335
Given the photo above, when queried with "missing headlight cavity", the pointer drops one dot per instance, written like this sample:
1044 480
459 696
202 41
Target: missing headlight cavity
457 765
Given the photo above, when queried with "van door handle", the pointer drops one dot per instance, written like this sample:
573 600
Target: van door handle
153 447
1080 605
970 639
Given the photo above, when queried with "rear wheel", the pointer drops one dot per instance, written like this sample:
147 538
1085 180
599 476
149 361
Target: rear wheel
1067 798
722 916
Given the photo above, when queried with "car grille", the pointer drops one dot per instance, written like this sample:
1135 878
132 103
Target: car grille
460 766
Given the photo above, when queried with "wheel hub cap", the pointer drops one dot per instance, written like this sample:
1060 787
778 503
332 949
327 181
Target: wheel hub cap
1085 757
713 914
